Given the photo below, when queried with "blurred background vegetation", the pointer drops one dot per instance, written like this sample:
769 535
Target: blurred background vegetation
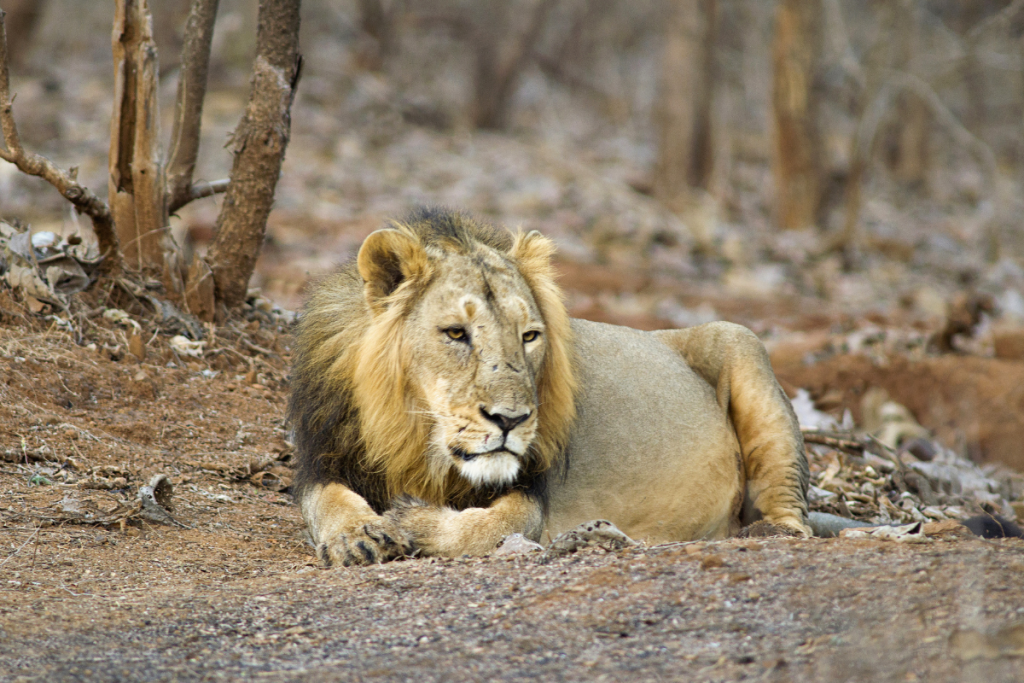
863 151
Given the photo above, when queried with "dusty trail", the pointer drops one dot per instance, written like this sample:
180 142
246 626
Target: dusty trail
778 610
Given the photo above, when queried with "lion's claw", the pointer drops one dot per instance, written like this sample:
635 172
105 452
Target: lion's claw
374 542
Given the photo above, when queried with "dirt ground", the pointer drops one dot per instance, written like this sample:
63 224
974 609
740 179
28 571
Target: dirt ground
92 408
233 592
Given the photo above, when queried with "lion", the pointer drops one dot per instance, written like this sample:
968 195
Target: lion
442 399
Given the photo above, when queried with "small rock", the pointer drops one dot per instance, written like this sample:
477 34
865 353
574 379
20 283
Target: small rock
516 544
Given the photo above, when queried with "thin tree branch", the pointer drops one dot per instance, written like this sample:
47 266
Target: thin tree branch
202 190
33 164
188 108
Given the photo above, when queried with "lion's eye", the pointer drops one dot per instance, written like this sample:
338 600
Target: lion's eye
456 333
530 336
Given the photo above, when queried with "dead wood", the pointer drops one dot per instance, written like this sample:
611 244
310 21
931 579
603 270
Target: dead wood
188 108
833 441
200 292
136 188
259 145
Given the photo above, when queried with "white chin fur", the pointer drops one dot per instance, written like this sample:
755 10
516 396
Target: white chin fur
497 469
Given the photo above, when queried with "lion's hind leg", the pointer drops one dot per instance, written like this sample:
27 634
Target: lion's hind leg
734 361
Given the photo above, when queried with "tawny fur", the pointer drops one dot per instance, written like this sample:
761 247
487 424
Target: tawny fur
392 456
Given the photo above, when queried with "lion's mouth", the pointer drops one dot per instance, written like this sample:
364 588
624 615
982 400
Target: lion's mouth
466 456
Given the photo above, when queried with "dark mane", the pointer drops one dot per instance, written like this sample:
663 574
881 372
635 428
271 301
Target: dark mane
439 225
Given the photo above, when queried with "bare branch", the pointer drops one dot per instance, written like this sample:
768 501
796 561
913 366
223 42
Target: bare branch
33 164
202 190
188 108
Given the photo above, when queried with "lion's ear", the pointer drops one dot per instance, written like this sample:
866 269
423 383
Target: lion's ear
533 251
388 258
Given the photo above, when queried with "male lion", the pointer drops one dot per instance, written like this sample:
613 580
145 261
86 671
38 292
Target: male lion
443 399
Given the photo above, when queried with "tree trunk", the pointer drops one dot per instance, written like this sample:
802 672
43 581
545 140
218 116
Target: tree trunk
136 186
797 154
908 160
259 145
498 62
683 113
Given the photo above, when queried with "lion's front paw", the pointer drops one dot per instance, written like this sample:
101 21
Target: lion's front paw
420 521
374 541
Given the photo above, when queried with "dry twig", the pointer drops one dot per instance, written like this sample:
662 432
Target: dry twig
21 546
833 441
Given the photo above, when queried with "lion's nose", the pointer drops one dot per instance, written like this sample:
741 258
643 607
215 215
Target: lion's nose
501 418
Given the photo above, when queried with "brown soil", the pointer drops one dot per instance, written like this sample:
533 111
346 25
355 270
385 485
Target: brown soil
238 595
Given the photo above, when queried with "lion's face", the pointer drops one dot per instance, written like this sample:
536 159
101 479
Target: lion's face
477 343
462 373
